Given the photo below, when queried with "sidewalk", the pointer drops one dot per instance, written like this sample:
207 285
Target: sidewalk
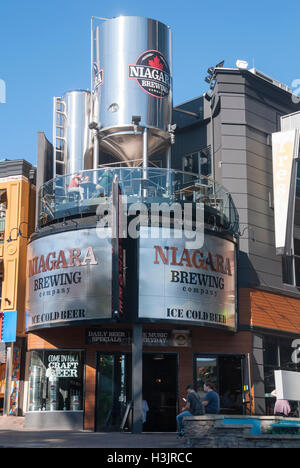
13 434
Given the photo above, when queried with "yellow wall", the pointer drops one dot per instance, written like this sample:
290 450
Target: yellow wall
20 209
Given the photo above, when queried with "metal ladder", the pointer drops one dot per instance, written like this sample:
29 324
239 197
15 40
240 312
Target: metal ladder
59 140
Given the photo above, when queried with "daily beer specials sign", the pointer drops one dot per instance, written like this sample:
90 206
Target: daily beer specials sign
188 285
68 279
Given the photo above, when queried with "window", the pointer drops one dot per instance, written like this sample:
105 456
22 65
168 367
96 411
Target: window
291 266
298 180
277 356
198 162
206 369
228 377
56 380
2 221
297 261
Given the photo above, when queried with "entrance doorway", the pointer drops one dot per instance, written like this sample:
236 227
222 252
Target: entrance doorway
160 384
113 390
114 395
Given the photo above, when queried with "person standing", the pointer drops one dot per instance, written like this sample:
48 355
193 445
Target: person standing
193 407
282 407
145 409
211 401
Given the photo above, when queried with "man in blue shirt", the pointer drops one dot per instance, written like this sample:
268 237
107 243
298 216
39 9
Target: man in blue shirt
211 401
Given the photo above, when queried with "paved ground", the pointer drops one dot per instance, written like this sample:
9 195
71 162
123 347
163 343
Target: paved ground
13 434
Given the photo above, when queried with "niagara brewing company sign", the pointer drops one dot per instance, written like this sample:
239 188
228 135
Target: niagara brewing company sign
67 283
188 285
152 73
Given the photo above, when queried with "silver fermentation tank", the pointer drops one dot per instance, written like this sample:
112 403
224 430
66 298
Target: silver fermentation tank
71 134
133 86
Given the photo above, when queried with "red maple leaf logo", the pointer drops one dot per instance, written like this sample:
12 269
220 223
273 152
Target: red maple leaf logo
156 63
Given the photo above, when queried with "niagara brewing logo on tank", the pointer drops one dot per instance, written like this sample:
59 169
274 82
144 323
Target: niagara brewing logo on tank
152 73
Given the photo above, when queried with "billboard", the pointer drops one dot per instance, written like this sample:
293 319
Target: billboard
285 152
69 279
197 286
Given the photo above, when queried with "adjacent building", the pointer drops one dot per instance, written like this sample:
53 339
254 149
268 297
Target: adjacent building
17 222
232 142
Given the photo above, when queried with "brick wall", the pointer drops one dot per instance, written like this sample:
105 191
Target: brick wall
205 340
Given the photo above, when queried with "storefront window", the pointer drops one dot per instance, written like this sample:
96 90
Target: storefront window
206 370
56 380
277 356
286 351
271 352
226 373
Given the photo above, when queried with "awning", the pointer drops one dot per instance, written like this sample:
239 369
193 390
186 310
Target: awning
269 310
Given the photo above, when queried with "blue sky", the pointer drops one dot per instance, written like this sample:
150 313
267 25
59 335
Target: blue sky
45 51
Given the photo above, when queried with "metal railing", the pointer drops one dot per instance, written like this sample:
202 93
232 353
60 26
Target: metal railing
80 194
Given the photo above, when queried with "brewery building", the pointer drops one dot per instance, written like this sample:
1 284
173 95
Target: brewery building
157 258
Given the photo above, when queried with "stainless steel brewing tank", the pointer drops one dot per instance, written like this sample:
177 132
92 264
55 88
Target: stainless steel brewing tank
76 130
133 78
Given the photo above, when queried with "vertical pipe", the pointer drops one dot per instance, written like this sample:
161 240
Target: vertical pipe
54 137
95 155
137 380
168 166
145 159
145 152
92 52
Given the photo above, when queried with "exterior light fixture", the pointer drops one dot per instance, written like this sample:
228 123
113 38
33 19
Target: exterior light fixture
250 231
10 238
116 315
221 64
20 233
242 64
208 95
158 357
93 126
136 120
211 78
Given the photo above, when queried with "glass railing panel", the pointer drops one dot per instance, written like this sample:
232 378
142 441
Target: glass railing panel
81 193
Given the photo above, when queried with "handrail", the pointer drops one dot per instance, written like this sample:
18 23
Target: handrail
80 193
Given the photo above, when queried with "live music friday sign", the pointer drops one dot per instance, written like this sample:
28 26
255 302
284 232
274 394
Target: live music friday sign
69 277
188 285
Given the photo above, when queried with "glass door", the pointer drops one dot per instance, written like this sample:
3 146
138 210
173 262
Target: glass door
229 374
206 370
113 390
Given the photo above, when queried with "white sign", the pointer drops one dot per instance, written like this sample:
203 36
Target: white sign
285 151
62 366
188 285
69 278
287 385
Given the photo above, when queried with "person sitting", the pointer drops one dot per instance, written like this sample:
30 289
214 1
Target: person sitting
211 401
75 185
193 407
103 184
